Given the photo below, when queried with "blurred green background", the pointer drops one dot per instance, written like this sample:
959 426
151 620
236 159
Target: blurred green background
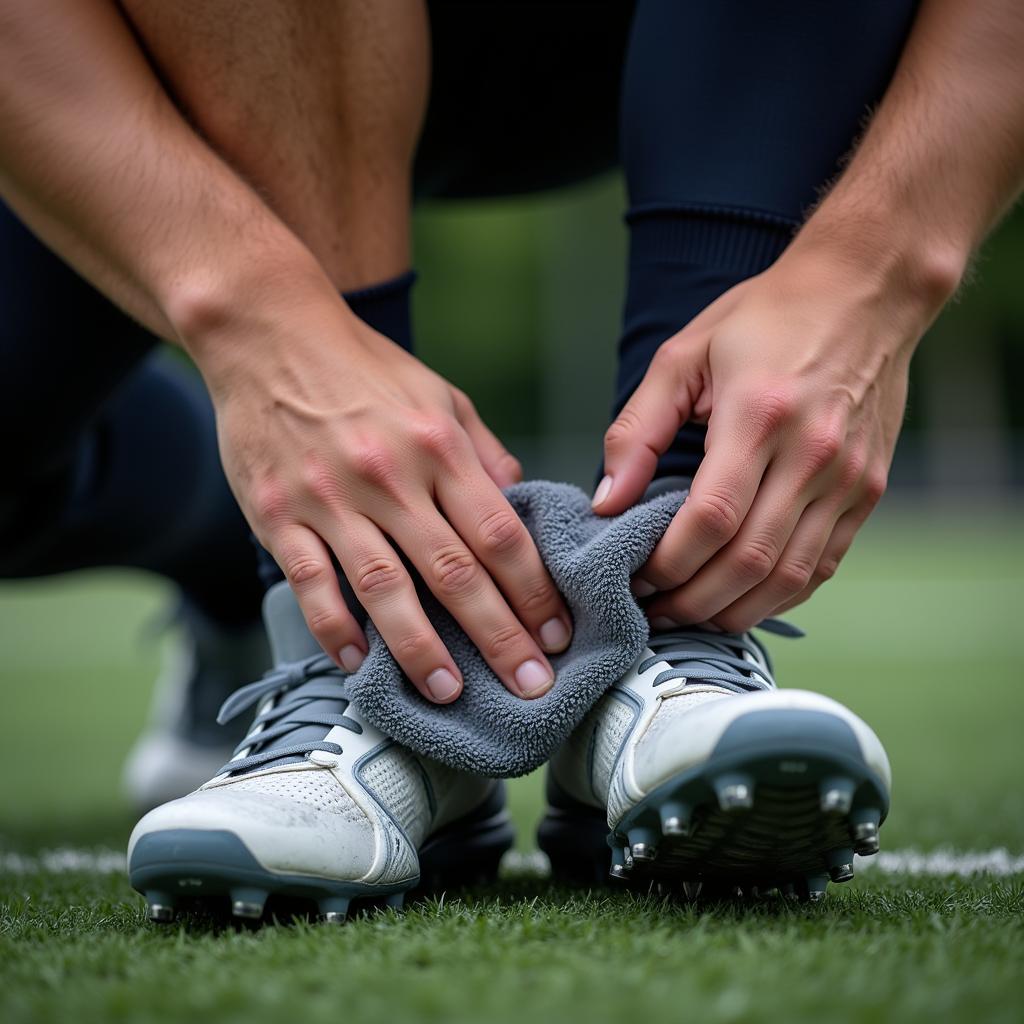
518 303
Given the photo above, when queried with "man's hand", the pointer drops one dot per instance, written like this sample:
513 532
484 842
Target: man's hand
801 372
336 440
801 375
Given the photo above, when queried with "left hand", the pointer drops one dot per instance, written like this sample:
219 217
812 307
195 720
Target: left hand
801 375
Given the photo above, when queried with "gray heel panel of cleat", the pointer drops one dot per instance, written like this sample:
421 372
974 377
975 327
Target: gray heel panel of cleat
189 864
468 851
790 730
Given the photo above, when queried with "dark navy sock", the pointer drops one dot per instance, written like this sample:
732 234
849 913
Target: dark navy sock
387 308
679 263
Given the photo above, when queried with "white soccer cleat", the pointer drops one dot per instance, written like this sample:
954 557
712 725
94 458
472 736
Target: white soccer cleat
695 769
317 806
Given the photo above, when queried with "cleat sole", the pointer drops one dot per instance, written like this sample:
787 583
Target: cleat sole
212 868
781 834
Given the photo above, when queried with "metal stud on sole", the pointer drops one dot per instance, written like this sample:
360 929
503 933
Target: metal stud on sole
334 909
734 792
840 864
865 838
643 844
837 795
160 913
248 903
675 819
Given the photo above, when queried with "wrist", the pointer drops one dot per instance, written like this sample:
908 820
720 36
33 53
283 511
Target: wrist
883 254
232 316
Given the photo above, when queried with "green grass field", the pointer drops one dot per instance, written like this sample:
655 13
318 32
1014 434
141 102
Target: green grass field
919 634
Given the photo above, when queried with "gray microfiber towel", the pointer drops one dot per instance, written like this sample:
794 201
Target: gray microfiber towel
489 730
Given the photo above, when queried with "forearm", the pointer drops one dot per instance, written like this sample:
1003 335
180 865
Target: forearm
943 156
98 161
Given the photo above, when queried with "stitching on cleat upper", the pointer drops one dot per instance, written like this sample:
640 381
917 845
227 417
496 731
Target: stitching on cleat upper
306 695
715 658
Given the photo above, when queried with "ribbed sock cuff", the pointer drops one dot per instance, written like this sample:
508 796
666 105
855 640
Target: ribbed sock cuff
744 241
386 307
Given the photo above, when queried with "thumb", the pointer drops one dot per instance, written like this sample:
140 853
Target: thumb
644 429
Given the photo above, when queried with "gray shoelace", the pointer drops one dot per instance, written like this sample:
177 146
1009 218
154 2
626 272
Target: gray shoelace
310 705
716 658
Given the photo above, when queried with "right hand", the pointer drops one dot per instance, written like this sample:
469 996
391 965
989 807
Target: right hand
334 439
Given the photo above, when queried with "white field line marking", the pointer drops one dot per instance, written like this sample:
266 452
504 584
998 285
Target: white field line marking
942 863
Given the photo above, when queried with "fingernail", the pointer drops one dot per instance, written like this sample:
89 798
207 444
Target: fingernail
641 588
351 657
603 490
442 684
663 622
554 636
533 678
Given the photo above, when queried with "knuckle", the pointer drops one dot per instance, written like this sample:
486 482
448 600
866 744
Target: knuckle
826 569
875 484
852 470
511 466
793 575
270 503
755 559
535 596
302 570
453 569
415 646
821 449
321 482
325 622
438 436
502 642
622 429
770 409
717 517
377 577
502 532
374 464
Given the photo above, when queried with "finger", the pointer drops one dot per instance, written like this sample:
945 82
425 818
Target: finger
463 586
643 430
386 591
723 490
306 564
835 550
481 515
501 466
792 573
747 560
